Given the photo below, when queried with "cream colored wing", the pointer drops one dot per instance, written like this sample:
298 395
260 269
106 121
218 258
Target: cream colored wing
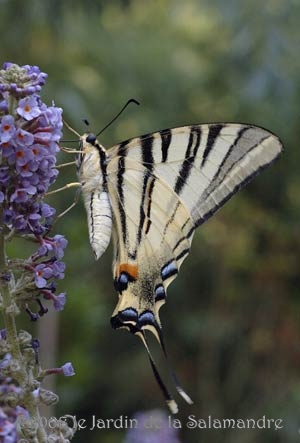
149 247
162 186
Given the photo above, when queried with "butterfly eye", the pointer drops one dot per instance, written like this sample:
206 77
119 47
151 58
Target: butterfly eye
91 138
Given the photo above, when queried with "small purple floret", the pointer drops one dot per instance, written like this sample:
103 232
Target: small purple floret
29 108
68 369
59 301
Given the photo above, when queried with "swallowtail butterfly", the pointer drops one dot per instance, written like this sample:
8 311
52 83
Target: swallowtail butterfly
151 193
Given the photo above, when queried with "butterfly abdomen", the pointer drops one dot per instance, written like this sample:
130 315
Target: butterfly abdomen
91 164
99 221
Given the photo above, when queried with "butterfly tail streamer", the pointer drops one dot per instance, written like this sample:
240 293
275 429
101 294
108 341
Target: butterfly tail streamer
174 377
171 403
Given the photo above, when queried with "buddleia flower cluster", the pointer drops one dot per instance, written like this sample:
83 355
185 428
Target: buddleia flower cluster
29 135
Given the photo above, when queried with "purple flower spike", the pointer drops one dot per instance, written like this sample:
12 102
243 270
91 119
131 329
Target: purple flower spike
30 132
29 139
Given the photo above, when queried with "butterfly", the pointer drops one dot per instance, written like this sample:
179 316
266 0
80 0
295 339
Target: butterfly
150 193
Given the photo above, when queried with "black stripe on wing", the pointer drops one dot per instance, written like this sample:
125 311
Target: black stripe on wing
187 165
92 218
120 179
236 188
183 254
166 137
238 137
213 133
122 148
142 211
147 158
147 151
149 203
172 216
146 202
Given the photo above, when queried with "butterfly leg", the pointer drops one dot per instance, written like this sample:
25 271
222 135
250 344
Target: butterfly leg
75 201
67 186
65 164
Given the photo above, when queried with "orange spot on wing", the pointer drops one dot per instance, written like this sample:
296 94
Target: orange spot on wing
131 270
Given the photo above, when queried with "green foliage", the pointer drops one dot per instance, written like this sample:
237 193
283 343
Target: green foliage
232 318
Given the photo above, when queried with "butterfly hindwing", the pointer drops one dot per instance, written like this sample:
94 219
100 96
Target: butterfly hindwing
151 249
162 186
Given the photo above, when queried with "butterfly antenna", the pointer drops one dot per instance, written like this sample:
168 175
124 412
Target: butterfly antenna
132 100
171 403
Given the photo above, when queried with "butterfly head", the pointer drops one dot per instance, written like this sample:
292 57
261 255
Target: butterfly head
88 143
91 163
91 139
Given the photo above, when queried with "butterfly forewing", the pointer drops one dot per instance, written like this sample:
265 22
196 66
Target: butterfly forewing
202 160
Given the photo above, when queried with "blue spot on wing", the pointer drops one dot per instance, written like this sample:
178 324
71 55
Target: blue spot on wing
146 318
121 283
123 279
128 314
168 270
160 293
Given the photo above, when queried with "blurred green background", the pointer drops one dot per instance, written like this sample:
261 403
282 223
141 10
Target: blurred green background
232 321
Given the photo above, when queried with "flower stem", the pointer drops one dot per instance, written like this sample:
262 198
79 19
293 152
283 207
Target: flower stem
8 305
22 375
